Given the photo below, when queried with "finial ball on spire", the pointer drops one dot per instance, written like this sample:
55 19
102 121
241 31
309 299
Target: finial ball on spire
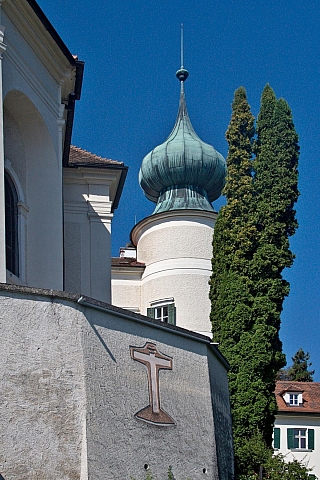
182 74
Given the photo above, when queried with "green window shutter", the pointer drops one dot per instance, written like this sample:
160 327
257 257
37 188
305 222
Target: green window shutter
290 437
311 439
150 312
171 314
276 438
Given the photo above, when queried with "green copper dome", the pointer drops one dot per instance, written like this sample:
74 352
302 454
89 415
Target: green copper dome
183 172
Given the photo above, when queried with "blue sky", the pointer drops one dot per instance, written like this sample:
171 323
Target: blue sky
131 49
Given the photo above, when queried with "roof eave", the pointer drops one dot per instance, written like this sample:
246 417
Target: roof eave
52 31
298 414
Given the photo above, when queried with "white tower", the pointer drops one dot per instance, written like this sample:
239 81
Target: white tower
182 176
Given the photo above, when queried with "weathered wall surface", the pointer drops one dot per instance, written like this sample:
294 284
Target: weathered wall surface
42 406
176 248
70 392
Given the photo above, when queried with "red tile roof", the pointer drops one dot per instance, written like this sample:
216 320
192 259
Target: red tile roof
126 262
310 396
82 157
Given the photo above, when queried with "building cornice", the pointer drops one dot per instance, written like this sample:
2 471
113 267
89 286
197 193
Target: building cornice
57 61
51 30
112 176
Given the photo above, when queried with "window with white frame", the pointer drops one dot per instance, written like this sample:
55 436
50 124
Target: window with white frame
300 438
162 313
16 213
163 310
294 399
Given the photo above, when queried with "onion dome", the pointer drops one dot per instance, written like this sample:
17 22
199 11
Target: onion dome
183 172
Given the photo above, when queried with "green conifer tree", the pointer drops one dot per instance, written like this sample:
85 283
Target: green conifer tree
233 247
276 191
233 237
299 372
250 250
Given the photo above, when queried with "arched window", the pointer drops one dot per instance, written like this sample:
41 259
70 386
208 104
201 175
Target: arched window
12 245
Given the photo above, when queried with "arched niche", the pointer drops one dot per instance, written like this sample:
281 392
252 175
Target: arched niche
32 155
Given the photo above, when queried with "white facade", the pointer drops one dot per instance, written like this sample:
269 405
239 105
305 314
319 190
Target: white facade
89 196
36 81
302 424
64 213
175 248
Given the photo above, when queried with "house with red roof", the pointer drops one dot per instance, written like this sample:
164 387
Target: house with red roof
297 424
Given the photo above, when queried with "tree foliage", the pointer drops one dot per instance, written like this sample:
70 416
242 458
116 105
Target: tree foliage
257 457
250 251
298 372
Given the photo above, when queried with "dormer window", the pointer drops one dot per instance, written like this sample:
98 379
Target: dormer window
293 399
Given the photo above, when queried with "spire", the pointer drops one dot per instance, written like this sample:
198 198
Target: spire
182 74
183 172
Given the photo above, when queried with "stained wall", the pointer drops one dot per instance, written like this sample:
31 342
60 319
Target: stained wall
71 390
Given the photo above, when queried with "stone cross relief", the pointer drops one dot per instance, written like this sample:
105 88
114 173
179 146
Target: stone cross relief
154 361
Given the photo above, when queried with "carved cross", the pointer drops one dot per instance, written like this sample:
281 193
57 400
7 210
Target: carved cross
154 361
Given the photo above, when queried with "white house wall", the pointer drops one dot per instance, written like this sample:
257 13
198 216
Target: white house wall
309 458
41 176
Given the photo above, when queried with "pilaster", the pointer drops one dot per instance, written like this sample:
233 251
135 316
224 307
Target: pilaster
88 217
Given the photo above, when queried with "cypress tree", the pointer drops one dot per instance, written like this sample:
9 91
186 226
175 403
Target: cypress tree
233 247
250 250
232 239
276 191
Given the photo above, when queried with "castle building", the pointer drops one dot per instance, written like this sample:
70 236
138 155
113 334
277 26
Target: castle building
165 271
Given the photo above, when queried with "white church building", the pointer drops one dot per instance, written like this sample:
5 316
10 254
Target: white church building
91 387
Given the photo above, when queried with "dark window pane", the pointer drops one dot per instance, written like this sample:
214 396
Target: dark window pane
11 223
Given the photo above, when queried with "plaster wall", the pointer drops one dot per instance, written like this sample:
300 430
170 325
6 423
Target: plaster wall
190 291
26 70
71 392
177 249
34 75
42 195
88 216
174 237
308 457
43 395
126 290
